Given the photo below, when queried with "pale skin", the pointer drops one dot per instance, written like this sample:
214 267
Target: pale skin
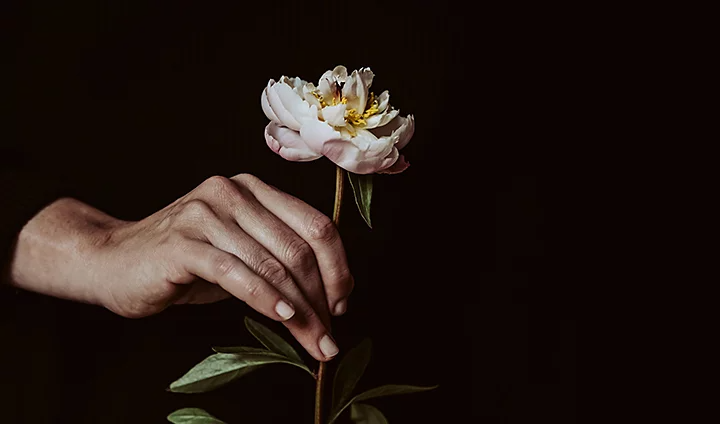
228 237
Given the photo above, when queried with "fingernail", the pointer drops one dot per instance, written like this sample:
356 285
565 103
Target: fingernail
341 307
328 347
284 310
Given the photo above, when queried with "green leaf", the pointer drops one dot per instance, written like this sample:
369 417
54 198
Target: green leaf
362 186
361 413
349 372
221 368
388 390
272 341
192 416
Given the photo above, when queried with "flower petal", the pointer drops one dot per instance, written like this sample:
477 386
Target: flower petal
380 119
371 145
405 132
295 104
316 133
383 100
338 74
325 89
399 166
322 138
283 114
308 90
356 92
366 75
402 128
266 104
335 115
347 156
288 144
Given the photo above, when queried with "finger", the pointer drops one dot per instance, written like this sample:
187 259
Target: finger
306 326
314 228
295 255
222 268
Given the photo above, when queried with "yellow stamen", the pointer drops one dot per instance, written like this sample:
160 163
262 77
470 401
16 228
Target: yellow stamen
351 115
354 117
319 96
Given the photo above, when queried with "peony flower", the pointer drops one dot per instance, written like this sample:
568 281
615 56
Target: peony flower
339 119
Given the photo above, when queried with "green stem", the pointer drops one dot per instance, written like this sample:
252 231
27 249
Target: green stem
339 185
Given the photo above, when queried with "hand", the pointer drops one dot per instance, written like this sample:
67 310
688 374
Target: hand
228 237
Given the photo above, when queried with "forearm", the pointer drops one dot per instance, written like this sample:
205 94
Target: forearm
56 250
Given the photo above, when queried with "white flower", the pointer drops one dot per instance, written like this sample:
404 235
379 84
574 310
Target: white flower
339 119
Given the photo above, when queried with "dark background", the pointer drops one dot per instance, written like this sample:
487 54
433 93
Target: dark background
128 106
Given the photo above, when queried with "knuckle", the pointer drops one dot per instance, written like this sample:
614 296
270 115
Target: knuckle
311 317
217 182
343 281
246 178
196 209
217 189
321 228
223 265
299 254
271 270
252 288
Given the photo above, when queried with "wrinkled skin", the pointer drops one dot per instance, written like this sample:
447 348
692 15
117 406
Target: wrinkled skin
228 237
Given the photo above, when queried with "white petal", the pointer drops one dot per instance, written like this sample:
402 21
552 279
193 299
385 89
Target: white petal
355 92
405 132
367 77
363 141
288 144
389 160
338 74
371 145
266 104
389 128
381 119
316 133
325 89
389 116
402 129
308 90
335 115
398 166
350 157
383 100
298 108
296 83
322 138
285 117
374 121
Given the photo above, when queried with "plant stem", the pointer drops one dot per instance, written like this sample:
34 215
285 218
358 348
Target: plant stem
339 185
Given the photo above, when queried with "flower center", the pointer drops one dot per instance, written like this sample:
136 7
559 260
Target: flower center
352 116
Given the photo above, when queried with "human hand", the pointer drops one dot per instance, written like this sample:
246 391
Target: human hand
228 237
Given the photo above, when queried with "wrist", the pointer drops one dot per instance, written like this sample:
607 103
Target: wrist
56 251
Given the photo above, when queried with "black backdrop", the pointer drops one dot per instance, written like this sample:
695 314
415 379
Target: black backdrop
129 105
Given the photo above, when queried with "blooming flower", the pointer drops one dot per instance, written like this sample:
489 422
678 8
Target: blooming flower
339 119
